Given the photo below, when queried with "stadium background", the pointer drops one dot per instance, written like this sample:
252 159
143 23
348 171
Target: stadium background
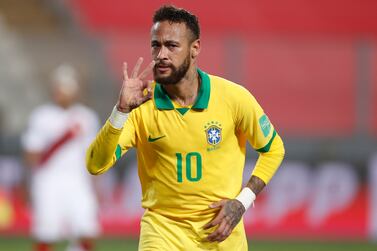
311 64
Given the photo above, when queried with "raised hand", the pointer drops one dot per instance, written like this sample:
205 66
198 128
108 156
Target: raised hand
230 214
135 89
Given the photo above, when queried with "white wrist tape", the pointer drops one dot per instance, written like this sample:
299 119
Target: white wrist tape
117 118
246 197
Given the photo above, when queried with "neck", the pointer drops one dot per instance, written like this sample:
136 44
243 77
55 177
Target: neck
186 90
64 105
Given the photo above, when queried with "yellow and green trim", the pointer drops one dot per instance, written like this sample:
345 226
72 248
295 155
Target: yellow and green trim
118 152
163 102
267 147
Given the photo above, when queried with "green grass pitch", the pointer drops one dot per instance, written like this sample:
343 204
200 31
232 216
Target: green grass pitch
119 244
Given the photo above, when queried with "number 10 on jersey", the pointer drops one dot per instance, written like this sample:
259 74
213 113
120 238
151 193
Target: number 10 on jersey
191 159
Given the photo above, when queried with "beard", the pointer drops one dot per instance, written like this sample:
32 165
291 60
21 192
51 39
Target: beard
177 73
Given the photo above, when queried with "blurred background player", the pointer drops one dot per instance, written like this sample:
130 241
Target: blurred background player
63 198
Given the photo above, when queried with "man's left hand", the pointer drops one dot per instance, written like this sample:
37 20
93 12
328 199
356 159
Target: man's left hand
230 214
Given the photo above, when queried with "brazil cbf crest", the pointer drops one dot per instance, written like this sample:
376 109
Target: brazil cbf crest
213 133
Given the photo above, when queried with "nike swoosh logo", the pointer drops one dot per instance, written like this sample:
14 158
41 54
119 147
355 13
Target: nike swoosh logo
150 139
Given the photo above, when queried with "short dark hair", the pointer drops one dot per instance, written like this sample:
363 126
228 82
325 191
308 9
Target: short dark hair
178 15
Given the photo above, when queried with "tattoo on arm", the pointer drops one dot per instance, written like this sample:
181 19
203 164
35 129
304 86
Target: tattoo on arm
256 184
233 211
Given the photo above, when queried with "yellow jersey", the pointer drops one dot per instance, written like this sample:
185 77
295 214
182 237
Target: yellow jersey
191 157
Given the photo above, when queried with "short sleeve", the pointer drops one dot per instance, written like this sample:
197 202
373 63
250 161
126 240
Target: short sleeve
92 125
34 138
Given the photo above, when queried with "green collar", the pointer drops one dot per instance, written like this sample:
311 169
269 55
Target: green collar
163 101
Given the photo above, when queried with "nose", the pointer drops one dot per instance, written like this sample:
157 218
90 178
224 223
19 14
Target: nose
162 53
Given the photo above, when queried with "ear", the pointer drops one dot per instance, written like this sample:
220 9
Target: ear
195 48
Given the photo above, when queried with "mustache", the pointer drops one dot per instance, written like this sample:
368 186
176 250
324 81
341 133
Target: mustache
163 65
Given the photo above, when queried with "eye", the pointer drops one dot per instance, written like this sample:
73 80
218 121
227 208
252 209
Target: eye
171 46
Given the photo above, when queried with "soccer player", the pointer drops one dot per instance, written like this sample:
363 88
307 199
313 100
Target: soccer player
190 130
64 204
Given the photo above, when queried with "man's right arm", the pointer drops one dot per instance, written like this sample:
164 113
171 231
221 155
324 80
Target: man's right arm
101 154
107 146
